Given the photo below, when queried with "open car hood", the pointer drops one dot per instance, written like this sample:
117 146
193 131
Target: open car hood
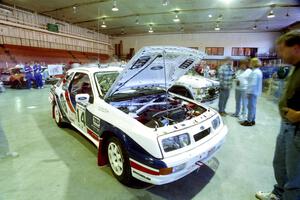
155 66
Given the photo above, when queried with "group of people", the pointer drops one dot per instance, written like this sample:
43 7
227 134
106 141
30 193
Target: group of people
33 73
248 89
286 161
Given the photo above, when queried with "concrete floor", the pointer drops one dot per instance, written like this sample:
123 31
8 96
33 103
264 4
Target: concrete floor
39 160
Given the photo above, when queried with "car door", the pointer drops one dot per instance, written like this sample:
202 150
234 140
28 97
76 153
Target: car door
80 84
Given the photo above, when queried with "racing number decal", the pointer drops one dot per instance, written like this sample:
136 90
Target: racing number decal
80 115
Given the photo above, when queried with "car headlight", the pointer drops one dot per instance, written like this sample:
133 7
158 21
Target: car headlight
176 142
216 122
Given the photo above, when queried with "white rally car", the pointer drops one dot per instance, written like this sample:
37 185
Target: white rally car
140 129
197 87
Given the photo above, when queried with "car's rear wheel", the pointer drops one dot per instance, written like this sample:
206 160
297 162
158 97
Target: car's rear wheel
119 161
57 116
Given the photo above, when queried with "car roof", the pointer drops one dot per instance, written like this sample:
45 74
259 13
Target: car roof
95 69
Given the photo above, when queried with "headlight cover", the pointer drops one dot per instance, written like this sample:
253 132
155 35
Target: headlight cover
216 122
176 142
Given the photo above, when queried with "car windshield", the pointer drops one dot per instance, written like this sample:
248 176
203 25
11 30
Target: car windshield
105 80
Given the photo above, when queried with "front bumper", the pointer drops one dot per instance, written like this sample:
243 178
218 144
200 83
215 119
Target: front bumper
187 161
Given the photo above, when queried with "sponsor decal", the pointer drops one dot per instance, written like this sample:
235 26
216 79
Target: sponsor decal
96 121
91 133
156 68
138 166
82 98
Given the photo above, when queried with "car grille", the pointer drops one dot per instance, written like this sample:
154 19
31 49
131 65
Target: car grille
202 134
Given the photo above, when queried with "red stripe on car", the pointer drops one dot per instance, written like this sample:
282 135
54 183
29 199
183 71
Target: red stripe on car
94 135
143 169
69 102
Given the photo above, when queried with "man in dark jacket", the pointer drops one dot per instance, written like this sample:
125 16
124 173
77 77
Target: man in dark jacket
286 161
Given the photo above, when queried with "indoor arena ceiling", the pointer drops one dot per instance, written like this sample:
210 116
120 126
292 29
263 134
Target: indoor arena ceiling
169 16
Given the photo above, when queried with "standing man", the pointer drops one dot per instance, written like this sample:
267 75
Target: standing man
254 90
286 161
28 75
225 74
37 69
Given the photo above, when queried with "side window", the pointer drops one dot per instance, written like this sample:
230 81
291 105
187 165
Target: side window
67 81
80 84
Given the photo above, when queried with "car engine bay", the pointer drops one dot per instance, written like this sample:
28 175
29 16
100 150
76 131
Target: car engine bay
159 110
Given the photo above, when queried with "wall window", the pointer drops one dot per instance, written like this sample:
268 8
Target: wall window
244 51
214 51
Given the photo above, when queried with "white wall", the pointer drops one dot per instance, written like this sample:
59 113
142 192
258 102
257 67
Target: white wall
264 41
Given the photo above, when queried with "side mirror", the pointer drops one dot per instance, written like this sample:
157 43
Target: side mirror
82 98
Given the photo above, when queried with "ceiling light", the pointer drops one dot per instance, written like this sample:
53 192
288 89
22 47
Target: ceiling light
137 20
220 17
176 19
103 25
217 28
165 2
210 15
74 9
271 14
122 31
150 29
115 8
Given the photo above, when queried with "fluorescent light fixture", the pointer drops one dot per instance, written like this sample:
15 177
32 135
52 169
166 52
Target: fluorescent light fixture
165 2
103 25
271 14
115 8
210 15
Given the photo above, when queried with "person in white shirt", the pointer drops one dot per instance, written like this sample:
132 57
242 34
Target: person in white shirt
240 90
254 90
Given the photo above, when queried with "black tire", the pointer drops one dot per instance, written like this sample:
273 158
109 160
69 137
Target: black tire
122 174
57 116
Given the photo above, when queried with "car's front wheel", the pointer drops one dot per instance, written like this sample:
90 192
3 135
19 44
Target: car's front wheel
57 116
119 161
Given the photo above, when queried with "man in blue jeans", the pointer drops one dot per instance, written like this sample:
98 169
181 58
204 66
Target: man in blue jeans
286 161
225 75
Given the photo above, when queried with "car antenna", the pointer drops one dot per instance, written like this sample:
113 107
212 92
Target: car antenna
165 73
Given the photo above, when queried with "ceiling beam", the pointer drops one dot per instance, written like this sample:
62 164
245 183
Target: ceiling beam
190 10
77 5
